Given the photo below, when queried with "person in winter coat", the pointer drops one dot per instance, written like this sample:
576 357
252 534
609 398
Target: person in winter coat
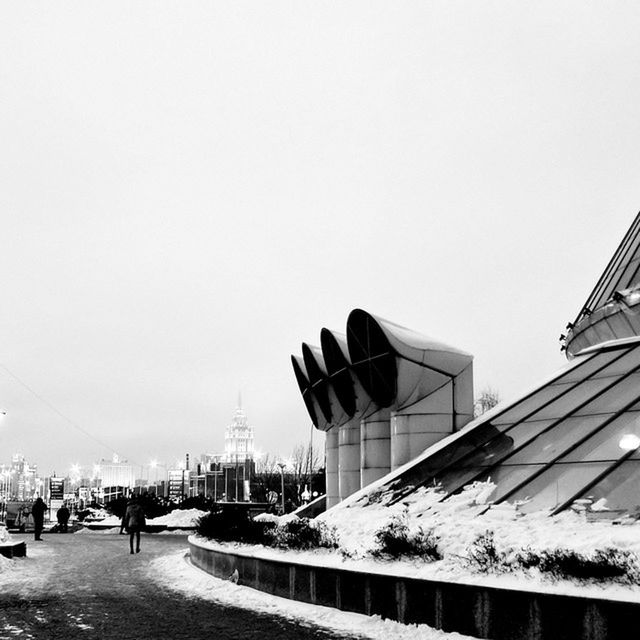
133 521
37 511
63 514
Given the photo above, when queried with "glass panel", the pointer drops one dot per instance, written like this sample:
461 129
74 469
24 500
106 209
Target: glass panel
466 444
524 408
618 491
556 485
626 390
606 443
574 398
552 443
604 330
591 363
628 361
498 447
507 477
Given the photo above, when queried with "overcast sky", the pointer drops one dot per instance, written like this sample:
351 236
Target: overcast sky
190 190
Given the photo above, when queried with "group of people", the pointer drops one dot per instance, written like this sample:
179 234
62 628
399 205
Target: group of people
133 521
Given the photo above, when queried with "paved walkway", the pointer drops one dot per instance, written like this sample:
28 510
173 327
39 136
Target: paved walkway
88 586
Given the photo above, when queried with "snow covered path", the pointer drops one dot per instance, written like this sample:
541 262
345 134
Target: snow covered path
89 586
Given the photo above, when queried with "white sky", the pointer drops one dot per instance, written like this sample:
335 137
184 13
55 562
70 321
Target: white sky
190 190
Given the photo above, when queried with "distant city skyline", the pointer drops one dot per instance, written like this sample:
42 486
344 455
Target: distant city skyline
190 191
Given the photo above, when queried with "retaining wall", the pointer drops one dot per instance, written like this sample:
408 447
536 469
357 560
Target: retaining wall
484 612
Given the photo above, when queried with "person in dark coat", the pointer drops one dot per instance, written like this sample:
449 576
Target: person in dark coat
37 511
63 514
134 522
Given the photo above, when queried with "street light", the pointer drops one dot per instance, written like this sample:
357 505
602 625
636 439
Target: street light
282 465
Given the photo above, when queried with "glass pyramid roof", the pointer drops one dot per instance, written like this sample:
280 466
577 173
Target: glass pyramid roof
575 438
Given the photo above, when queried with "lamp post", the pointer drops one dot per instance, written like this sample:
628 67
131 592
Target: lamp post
282 466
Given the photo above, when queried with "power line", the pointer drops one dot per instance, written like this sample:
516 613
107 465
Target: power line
74 424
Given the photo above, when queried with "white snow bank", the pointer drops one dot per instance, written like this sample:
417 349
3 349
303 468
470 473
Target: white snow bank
179 518
174 572
85 531
457 522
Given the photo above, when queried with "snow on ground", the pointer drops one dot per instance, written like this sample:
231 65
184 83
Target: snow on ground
175 572
177 518
84 531
457 522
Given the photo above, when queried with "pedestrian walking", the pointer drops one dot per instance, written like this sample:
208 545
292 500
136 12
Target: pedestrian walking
37 511
63 514
133 521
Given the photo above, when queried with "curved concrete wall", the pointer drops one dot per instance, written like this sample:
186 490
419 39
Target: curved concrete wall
469 609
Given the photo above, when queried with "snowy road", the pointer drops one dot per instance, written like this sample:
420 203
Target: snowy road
89 586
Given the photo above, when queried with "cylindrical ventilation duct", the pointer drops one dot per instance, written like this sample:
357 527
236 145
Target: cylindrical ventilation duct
320 420
376 371
323 389
334 350
428 385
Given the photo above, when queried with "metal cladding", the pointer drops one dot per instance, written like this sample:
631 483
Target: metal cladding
612 310
336 358
323 391
304 385
318 379
323 386
427 385
396 365
381 374
354 402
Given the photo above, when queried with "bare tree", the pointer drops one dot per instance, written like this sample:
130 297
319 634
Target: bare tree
305 461
487 399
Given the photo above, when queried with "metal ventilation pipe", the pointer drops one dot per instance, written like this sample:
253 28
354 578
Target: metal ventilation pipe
353 401
320 422
377 376
325 392
427 385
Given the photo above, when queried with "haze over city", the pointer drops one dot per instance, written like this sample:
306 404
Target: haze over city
190 191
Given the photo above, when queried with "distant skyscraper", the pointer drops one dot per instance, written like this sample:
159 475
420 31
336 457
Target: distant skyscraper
238 438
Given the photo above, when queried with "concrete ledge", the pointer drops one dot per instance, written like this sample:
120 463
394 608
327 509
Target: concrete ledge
13 549
483 612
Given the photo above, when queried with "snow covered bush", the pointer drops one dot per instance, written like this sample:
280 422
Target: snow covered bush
233 525
602 564
303 533
395 540
483 554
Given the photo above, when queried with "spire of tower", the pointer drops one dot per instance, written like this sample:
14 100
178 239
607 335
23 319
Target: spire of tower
239 399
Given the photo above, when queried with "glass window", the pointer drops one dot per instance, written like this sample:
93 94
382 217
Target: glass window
607 444
555 441
622 393
507 477
618 491
499 446
604 330
533 402
574 398
556 485
591 362
621 365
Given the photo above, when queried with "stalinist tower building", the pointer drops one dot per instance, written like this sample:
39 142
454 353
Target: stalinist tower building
238 438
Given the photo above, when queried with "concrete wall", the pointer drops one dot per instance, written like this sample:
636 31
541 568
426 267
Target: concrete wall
483 612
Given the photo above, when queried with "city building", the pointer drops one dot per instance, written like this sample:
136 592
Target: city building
227 476
115 477
572 442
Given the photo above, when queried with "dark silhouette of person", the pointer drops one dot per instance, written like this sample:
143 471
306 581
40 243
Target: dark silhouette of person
63 514
37 510
134 522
